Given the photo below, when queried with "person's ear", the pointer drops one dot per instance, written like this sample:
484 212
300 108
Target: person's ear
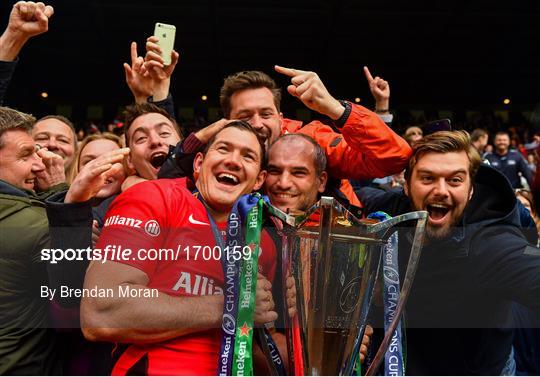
472 192
406 188
323 179
130 163
260 180
197 165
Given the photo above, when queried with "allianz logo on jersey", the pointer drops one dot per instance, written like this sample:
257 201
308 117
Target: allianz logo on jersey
197 285
151 227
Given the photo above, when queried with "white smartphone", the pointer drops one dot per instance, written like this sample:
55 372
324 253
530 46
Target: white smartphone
166 34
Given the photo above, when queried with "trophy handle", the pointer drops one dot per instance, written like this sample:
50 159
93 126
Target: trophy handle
412 266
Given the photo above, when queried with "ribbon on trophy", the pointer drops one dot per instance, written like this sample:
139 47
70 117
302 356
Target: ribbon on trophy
240 283
394 362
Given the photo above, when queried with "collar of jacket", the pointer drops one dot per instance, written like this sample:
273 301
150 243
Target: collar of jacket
9 189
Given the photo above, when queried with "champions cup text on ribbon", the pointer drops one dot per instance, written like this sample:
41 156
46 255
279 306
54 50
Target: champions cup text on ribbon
394 365
243 358
240 284
231 267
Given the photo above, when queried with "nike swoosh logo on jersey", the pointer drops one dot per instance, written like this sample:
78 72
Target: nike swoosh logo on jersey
196 222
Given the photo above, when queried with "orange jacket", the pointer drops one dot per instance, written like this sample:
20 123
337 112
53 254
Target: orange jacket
366 148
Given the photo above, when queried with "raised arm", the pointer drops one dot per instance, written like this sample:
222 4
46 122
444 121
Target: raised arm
366 147
27 19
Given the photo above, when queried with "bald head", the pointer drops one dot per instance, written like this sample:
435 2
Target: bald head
296 172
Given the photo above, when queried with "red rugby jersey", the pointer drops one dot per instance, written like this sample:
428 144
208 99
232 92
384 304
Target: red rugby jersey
165 214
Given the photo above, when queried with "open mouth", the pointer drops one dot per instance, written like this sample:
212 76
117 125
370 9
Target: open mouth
437 211
158 159
227 179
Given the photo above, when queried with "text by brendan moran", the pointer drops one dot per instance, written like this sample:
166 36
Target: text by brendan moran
122 291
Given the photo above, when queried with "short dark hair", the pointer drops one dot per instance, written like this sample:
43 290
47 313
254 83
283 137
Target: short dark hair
445 142
319 157
501 133
246 80
244 126
11 119
477 134
134 111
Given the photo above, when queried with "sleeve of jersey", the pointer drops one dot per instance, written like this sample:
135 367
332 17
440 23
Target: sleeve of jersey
135 223
366 148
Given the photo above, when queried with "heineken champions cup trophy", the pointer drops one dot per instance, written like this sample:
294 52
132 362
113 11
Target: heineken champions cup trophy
334 259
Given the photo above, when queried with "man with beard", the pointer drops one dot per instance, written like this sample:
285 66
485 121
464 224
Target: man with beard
474 263
176 331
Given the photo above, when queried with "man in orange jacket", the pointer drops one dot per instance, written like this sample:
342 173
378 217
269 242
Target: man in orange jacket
363 147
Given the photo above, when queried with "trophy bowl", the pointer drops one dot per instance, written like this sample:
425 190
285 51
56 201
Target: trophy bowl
334 259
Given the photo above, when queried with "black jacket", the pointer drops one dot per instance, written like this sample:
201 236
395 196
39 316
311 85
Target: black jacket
458 313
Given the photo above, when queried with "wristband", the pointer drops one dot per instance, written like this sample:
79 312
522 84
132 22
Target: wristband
343 118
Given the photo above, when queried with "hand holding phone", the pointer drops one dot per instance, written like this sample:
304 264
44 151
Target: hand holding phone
165 33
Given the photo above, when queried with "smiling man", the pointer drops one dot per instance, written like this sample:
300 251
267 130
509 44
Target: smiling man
149 132
358 146
474 263
27 344
296 172
177 331
57 134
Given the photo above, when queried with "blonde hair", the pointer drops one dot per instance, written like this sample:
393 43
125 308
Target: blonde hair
74 170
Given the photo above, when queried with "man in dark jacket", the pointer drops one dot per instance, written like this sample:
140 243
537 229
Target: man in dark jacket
474 262
509 162
26 343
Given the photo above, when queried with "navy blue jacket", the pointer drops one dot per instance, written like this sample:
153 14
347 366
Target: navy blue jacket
510 165
458 313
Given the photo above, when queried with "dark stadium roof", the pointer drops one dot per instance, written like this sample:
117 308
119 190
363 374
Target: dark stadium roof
437 53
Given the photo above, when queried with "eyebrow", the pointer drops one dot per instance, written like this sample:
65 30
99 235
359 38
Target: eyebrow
296 168
427 171
229 144
146 129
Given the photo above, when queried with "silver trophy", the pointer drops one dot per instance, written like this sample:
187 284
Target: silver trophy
334 259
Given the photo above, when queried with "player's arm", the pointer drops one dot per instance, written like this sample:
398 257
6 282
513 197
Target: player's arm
366 147
141 319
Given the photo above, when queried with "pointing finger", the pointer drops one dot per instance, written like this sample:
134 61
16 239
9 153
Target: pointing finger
288 71
133 52
368 74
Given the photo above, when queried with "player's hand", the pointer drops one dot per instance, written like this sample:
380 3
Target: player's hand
264 302
291 296
139 81
93 176
308 88
161 73
154 61
380 89
53 174
204 135
27 19
365 342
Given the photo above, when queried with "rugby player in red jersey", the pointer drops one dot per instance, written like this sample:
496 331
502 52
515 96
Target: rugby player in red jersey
175 331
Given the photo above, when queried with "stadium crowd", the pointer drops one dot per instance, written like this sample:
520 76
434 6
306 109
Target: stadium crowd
146 182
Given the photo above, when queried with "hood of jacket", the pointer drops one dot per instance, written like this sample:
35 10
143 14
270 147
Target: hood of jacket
493 202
